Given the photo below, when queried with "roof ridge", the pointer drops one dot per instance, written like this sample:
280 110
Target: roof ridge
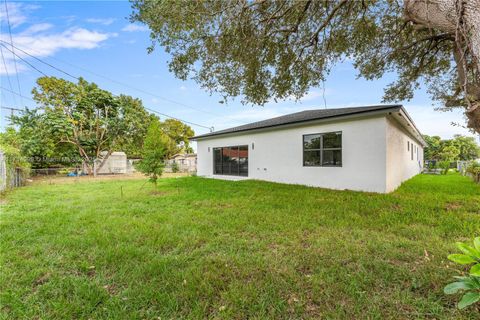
301 116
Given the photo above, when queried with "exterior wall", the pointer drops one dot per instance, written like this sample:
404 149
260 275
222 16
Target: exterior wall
400 166
278 155
185 162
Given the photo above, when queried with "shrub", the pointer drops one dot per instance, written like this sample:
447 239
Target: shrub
175 167
474 170
445 166
469 284
13 160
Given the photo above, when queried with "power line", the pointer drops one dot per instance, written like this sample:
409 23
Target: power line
31 66
78 78
11 43
114 81
18 94
44 62
8 76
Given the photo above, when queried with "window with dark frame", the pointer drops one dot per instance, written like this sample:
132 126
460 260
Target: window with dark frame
322 149
232 161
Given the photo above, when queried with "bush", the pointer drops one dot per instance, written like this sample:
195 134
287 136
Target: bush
474 170
469 284
445 166
13 161
175 167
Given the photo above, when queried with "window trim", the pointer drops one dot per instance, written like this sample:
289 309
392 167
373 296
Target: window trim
321 149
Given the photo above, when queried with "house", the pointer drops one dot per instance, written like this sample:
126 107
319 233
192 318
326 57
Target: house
372 148
187 162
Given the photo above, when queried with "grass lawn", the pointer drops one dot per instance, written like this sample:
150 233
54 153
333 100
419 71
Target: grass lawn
201 248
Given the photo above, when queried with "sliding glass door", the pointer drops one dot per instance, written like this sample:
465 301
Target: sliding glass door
231 161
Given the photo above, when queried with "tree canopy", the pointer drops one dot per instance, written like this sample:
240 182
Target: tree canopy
458 148
77 121
267 49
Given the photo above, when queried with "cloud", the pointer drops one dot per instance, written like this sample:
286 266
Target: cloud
103 21
39 40
44 45
134 28
35 28
183 88
17 12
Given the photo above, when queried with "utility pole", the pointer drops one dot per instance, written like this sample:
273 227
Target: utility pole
12 110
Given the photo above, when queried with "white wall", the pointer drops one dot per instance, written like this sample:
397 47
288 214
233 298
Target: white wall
278 155
400 165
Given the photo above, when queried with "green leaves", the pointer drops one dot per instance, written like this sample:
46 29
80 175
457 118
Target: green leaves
461 258
454 287
471 283
468 298
475 270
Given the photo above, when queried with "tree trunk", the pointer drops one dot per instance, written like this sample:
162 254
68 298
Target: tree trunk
461 18
104 160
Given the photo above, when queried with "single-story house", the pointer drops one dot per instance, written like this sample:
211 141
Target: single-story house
187 162
372 148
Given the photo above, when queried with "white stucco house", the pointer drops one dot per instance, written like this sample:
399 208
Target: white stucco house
373 148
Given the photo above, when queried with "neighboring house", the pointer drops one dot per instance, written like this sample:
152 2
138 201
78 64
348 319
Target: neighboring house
371 148
187 162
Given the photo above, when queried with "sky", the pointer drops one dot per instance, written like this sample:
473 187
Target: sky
96 41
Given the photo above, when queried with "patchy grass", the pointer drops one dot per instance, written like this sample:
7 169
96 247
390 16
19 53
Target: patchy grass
199 248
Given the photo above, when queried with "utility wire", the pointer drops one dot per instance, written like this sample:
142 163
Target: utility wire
8 75
78 78
11 43
31 66
18 94
115 81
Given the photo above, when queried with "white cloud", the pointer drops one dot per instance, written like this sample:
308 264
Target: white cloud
35 28
183 88
134 28
103 21
39 40
44 45
17 12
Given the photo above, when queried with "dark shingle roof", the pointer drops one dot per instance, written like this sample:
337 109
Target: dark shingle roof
302 116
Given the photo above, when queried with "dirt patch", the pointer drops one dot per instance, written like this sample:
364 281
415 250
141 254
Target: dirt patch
60 179
158 193
112 289
41 280
451 206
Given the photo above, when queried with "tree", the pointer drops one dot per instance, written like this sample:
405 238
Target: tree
433 147
277 49
153 154
449 153
88 118
180 134
468 148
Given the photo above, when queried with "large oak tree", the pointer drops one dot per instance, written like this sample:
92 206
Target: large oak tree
267 49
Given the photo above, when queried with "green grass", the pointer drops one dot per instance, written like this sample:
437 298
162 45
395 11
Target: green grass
201 248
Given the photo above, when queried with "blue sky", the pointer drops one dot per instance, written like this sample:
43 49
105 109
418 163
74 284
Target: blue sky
89 39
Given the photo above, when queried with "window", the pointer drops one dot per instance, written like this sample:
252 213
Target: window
408 145
231 161
322 149
411 152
